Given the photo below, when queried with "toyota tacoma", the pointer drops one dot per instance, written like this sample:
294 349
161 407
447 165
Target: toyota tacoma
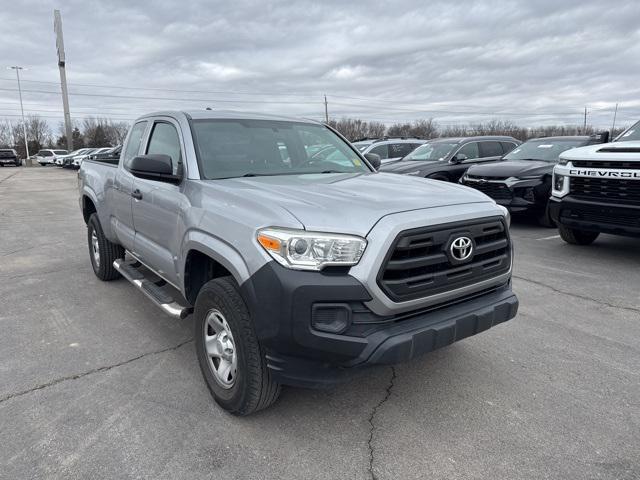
298 270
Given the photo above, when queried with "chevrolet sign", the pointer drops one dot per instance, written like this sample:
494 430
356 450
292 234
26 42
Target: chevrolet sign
627 174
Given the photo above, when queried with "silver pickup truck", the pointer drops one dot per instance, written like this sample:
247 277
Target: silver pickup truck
300 263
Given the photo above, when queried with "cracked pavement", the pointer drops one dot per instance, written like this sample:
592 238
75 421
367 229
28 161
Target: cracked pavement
97 383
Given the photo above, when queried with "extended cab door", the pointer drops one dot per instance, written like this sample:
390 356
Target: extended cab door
120 194
157 205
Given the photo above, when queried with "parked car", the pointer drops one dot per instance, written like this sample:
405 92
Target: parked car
448 158
63 160
110 154
297 272
48 156
522 181
8 156
77 160
389 149
596 189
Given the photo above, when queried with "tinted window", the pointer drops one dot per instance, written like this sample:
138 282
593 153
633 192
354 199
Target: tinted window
133 143
470 150
165 140
508 146
381 150
431 152
45 153
490 149
400 149
236 148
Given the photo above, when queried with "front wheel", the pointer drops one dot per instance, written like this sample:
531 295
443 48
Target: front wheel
577 237
231 358
544 219
102 252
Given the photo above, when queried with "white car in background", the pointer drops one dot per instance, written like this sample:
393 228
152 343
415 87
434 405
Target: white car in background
390 149
78 159
63 160
48 156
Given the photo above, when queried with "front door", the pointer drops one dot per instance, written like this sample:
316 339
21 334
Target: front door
157 206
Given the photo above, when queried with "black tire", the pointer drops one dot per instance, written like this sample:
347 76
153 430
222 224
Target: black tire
18 163
108 251
253 387
577 237
544 219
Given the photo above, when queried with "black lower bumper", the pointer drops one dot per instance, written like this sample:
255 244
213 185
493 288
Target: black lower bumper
282 303
594 216
521 197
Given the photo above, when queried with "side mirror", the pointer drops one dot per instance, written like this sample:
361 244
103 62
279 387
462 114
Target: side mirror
374 159
458 158
154 166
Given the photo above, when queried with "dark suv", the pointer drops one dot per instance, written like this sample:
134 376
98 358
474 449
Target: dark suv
8 156
448 158
522 181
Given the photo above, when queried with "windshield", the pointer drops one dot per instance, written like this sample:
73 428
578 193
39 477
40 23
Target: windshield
431 152
631 134
45 153
244 148
60 152
546 150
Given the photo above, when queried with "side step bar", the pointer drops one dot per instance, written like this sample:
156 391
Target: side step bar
154 291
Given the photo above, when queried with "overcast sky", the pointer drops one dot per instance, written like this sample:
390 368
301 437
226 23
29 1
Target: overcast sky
533 62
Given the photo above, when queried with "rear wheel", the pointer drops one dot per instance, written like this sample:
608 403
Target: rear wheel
102 252
230 356
577 237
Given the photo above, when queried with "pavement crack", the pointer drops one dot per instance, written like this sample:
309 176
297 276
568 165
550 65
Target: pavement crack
8 177
91 372
577 295
371 419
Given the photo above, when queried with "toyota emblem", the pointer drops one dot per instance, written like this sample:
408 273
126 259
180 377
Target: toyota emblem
461 248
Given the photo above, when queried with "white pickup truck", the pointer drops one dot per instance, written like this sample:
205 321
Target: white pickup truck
596 189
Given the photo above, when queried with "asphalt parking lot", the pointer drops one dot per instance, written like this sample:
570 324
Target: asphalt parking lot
95 382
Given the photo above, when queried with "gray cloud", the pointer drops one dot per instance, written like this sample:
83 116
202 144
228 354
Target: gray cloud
531 62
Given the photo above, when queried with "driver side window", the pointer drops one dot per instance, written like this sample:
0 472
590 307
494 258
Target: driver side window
165 140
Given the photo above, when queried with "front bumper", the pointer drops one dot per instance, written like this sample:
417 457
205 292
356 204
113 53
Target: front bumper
8 161
518 196
282 301
594 216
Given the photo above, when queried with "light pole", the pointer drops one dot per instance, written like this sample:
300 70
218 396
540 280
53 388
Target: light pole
24 125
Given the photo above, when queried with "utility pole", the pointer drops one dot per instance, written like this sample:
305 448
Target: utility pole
613 126
57 27
584 127
326 110
24 124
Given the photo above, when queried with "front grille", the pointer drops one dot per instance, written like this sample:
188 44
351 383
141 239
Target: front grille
606 164
419 263
480 177
606 190
497 191
607 218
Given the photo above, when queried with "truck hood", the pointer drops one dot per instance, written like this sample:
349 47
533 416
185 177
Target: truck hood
349 203
623 151
512 168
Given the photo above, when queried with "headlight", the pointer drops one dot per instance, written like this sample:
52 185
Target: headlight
560 185
558 182
563 161
416 172
302 250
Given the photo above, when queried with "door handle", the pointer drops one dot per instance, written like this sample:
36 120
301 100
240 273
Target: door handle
137 194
